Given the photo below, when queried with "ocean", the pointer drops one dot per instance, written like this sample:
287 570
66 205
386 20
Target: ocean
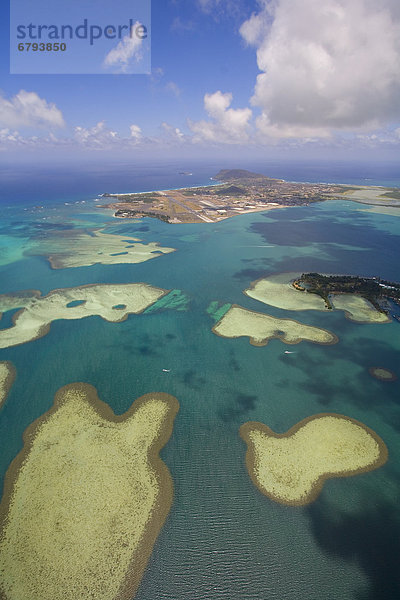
223 540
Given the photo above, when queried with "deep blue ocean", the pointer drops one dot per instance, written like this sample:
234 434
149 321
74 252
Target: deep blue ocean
223 540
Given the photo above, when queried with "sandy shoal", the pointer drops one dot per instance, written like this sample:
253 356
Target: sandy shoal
37 313
7 376
277 290
78 249
291 468
383 210
358 309
85 499
260 328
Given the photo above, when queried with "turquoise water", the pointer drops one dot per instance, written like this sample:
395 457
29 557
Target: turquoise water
223 540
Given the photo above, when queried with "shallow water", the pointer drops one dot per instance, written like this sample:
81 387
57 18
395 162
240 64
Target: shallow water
223 539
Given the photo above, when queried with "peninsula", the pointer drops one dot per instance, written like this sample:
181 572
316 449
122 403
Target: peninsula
373 289
238 192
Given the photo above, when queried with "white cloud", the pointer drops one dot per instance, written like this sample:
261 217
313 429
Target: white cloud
227 125
172 87
136 132
99 135
127 50
222 8
325 65
27 109
173 133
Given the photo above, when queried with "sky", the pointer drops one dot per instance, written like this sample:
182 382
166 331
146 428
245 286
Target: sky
260 78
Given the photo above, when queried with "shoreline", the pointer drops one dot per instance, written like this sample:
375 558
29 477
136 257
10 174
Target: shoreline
163 503
46 327
238 191
8 381
251 457
264 341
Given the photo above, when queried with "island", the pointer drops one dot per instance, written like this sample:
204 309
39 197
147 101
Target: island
75 248
363 300
332 287
238 192
260 328
85 499
7 377
112 302
291 468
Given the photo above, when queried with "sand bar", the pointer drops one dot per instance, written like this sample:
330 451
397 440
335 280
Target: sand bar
111 302
85 499
7 377
277 290
79 249
291 468
371 194
358 309
261 328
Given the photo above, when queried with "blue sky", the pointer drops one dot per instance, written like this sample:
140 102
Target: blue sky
274 78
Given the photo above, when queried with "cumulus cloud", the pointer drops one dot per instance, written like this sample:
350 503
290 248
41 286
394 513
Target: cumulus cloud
127 50
325 65
227 125
136 132
99 135
27 109
173 133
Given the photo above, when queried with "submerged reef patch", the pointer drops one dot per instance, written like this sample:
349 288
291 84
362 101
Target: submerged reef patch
291 468
174 300
37 312
217 310
382 374
7 377
80 249
85 499
261 328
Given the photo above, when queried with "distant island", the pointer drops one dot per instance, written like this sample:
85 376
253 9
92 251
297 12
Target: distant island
373 289
239 192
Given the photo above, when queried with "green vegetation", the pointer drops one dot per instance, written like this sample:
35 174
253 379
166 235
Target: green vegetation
394 194
228 174
232 190
132 213
372 289
142 198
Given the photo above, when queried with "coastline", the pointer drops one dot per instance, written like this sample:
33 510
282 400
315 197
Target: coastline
163 503
251 456
238 191
8 381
